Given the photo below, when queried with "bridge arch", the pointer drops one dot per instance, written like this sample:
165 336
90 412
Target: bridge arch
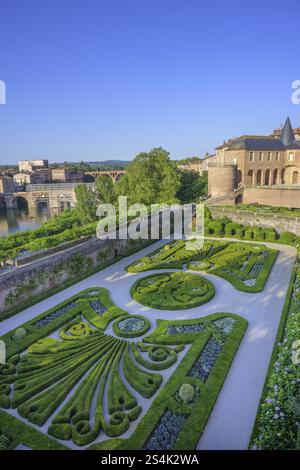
20 202
2 204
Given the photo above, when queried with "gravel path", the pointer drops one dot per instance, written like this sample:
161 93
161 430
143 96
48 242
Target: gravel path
232 419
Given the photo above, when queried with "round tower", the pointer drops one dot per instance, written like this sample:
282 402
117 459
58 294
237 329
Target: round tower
221 179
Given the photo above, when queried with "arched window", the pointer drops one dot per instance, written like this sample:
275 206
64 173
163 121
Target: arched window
275 176
259 177
249 179
267 177
295 177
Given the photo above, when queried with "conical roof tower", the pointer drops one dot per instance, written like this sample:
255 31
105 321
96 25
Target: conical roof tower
287 134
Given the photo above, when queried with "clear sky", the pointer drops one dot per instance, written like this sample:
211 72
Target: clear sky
102 79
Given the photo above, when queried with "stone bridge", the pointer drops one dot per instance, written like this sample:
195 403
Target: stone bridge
114 174
53 196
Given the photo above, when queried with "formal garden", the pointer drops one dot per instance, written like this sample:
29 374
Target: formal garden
245 265
87 374
83 388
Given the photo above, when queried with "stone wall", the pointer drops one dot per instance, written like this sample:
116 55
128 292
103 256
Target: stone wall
51 271
261 219
279 196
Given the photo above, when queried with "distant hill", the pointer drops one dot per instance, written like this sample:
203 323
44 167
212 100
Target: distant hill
109 163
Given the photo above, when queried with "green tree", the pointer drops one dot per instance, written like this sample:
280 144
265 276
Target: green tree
192 186
105 190
86 203
151 178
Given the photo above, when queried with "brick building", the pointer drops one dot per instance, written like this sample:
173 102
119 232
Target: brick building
258 162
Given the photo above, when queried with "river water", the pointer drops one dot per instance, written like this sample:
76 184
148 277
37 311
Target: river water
15 220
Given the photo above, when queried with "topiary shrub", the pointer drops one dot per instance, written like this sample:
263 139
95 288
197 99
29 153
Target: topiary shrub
249 233
216 227
287 237
19 334
240 232
270 234
186 393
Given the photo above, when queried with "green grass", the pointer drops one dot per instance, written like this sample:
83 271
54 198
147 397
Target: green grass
172 291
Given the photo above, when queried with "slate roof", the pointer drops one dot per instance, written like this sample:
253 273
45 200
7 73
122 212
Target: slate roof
264 143
287 135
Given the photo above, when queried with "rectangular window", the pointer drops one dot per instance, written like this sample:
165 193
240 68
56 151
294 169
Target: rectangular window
261 156
291 157
251 157
277 156
269 156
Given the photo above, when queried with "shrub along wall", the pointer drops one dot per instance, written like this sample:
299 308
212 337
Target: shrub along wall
227 228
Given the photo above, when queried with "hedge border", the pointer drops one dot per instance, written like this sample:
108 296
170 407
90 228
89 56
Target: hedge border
22 433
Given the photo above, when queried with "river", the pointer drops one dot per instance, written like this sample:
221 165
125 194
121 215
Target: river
15 220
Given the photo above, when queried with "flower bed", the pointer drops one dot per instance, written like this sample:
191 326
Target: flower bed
131 326
166 433
203 366
174 330
98 307
56 314
277 425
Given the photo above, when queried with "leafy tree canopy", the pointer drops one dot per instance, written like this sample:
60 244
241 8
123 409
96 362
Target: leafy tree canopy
192 186
151 178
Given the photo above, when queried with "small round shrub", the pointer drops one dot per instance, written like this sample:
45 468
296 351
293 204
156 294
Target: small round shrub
186 393
19 334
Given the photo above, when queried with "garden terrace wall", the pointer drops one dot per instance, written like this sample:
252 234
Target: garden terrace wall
51 273
261 219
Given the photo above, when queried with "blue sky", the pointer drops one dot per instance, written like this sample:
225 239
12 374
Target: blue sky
101 79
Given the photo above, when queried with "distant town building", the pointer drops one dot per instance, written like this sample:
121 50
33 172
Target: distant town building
32 165
192 166
7 184
66 175
37 177
296 132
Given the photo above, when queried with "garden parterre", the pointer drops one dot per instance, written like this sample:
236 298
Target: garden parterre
246 266
85 386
